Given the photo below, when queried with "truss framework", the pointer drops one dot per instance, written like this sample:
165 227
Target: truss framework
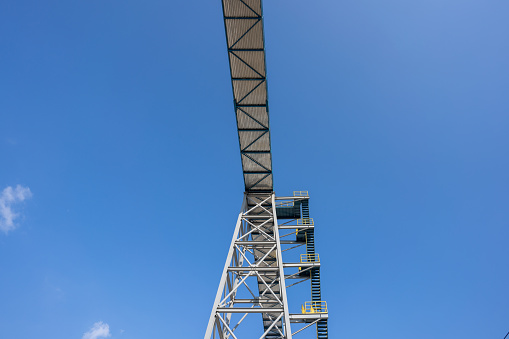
253 278
243 22
255 252
253 281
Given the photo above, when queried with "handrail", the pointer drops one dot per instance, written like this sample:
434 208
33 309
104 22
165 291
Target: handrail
285 204
306 221
300 193
314 307
313 257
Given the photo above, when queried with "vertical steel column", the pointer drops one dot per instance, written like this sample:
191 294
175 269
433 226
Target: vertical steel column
281 271
212 319
255 252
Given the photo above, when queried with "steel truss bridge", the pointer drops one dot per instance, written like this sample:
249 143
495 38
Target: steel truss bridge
255 277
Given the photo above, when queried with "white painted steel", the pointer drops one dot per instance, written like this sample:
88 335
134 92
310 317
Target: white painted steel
281 273
212 318
254 252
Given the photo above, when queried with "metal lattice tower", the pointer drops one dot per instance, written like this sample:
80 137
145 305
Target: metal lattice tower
255 278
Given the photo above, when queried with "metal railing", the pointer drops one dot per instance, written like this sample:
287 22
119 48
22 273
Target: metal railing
314 307
305 221
300 193
310 257
285 204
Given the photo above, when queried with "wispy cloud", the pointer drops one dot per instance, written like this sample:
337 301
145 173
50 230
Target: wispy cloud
99 330
9 197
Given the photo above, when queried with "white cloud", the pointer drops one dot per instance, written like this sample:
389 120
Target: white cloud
99 330
9 197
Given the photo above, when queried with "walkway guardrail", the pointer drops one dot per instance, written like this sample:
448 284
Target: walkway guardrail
314 307
300 193
309 258
305 221
285 204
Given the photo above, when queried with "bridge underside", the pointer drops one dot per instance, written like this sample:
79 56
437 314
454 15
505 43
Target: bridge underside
243 23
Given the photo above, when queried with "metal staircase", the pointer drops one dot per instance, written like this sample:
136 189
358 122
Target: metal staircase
316 291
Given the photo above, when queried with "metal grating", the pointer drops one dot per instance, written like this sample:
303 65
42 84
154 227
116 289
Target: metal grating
246 52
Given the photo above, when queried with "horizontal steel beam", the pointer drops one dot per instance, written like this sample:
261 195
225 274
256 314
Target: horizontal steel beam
293 227
245 50
255 152
293 198
257 216
257 172
254 301
259 269
307 317
242 17
256 243
301 264
248 310
249 79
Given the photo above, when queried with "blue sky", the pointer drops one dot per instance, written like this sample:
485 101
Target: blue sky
118 117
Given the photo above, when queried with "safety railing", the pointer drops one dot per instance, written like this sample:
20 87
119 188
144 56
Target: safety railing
305 222
285 204
300 193
314 307
314 257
